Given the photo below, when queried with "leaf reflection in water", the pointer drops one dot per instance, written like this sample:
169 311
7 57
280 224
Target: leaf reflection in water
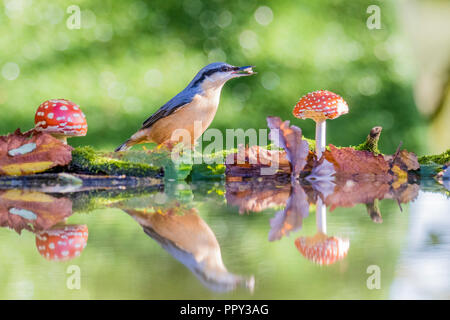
290 219
31 210
319 188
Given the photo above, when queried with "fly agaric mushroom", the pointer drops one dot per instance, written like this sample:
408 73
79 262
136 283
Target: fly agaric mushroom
320 248
62 243
61 118
320 106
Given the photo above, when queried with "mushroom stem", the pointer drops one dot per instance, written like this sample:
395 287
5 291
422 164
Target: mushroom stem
320 138
321 216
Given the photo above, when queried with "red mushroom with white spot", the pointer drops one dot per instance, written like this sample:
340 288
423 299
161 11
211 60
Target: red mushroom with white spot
320 106
61 118
62 243
320 248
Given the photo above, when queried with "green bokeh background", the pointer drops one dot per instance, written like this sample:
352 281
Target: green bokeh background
130 57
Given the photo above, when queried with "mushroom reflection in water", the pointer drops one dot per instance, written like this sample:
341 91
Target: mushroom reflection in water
320 248
62 243
191 241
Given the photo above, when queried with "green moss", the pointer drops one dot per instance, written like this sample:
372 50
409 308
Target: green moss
371 143
367 146
87 160
440 159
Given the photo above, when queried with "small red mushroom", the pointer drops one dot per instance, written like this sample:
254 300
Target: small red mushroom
61 118
62 243
320 106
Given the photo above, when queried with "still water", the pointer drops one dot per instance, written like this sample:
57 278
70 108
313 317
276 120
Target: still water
227 240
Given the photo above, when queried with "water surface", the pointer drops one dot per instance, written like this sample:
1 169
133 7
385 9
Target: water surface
229 240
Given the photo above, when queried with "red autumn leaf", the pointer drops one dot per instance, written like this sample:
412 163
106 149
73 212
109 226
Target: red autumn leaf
30 210
350 162
20 154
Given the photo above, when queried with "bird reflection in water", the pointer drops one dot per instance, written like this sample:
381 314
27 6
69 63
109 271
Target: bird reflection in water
180 231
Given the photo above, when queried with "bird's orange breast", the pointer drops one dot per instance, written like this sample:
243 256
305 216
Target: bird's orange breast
190 121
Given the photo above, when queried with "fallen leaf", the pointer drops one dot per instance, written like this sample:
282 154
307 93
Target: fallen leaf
256 161
404 159
350 162
20 154
290 139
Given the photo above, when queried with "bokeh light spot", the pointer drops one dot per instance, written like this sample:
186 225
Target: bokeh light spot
224 19
217 55
270 80
248 40
264 15
369 85
153 78
10 71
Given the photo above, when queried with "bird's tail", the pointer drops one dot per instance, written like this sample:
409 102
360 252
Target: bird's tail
125 146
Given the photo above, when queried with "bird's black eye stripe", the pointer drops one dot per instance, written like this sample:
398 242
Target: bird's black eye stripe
227 68
212 71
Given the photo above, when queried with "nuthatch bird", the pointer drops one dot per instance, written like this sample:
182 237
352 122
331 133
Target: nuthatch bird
198 102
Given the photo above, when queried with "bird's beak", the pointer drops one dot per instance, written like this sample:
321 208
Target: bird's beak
244 71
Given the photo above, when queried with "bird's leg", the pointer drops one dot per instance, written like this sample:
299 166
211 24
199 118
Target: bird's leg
320 137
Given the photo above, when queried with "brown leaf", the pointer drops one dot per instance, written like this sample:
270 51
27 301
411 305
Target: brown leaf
405 160
250 161
350 162
290 139
30 210
21 155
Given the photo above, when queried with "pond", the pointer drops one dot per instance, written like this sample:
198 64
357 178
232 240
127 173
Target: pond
256 239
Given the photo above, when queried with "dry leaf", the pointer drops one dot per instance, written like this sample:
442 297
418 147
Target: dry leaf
255 161
351 162
21 155
290 139
405 160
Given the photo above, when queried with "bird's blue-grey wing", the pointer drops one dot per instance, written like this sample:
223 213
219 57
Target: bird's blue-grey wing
170 107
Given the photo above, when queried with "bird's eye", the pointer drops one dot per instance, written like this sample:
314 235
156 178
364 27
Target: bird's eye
225 69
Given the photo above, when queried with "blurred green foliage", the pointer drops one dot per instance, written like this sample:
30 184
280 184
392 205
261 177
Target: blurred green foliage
130 57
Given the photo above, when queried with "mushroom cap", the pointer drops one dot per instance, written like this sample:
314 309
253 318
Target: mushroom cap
60 117
320 105
322 249
62 243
